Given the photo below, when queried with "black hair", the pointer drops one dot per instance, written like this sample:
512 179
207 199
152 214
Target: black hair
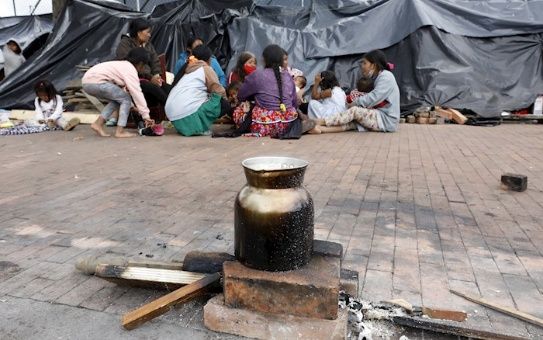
16 44
45 86
192 40
137 26
304 80
235 85
273 58
365 84
138 55
329 80
242 59
378 58
201 52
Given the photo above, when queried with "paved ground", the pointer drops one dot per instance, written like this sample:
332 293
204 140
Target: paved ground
418 212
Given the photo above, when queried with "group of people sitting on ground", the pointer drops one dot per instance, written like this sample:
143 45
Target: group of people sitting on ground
265 101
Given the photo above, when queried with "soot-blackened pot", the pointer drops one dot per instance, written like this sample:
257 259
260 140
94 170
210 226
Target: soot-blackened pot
274 215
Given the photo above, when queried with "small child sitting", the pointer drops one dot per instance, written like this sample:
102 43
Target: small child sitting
300 82
49 107
364 85
232 93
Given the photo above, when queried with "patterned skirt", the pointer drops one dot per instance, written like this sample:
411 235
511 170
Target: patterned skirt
266 122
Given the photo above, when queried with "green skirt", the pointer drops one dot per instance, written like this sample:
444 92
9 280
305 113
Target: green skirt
200 121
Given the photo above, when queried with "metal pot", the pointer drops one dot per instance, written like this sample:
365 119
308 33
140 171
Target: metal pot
274 215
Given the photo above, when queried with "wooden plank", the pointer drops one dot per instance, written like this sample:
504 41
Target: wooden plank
504 309
87 117
444 314
88 264
448 328
147 274
160 306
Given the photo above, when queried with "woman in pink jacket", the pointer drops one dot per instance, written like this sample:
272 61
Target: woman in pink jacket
118 82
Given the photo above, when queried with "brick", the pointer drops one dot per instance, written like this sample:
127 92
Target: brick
220 317
377 286
348 281
311 291
515 182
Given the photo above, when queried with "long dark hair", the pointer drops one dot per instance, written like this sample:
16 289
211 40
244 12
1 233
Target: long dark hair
378 58
242 59
273 58
137 26
45 86
192 40
329 80
201 52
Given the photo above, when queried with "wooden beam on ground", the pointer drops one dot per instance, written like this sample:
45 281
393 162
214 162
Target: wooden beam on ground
85 117
88 264
453 329
160 306
444 314
506 310
144 274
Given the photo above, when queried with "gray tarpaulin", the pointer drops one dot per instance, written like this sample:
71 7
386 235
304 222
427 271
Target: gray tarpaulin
24 29
483 55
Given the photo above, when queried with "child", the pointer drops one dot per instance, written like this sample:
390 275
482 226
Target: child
232 93
107 80
364 85
300 82
327 96
49 107
13 57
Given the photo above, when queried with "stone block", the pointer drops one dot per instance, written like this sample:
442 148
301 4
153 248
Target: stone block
514 182
327 248
311 291
349 282
240 321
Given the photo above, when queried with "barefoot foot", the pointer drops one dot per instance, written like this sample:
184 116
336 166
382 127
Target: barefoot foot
99 129
124 134
315 131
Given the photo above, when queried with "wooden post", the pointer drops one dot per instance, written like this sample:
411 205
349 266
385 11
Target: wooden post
58 6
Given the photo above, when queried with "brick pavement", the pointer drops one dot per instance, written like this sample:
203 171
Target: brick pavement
418 212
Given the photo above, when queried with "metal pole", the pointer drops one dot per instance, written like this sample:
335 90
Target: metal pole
138 5
34 10
14 9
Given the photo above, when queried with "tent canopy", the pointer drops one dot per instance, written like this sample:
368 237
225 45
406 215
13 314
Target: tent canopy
484 55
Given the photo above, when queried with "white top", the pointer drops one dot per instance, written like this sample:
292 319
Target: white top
48 110
187 96
320 109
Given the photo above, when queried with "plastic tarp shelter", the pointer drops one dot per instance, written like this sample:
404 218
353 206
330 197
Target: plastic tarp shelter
483 55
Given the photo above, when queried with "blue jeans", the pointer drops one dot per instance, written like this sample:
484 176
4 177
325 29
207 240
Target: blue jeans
117 97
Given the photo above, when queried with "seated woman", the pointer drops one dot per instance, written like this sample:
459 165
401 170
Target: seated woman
327 96
197 98
139 35
245 65
274 93
362 111
192 43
